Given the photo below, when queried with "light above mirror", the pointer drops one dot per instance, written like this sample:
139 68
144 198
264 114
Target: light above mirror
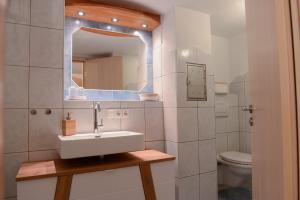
80 13
115 20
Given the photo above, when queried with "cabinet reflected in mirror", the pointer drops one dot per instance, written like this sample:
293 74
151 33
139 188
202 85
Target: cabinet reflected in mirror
108 60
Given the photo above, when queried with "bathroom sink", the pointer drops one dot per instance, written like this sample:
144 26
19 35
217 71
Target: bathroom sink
92 144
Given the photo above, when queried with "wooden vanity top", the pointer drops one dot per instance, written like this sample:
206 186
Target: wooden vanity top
59 167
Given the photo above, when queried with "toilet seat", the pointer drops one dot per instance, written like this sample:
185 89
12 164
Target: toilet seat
236 159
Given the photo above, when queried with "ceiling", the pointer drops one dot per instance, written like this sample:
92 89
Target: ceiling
227 16
89 45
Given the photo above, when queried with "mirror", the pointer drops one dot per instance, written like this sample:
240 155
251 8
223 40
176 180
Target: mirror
108 60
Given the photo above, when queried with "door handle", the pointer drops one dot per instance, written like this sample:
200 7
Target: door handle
249 109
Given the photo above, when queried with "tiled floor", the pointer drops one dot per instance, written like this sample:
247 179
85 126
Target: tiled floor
237 193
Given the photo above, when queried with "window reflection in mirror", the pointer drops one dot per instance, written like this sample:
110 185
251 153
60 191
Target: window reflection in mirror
108 60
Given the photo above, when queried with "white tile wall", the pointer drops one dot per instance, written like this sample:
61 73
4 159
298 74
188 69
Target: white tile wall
18 11
168 61
79 104
187 122
188 163
169 84
132 104
32 87
222 143
208 186
135 120
46 13
228 127
43 129
245 142
156 145
16 130
16 87
17 45
154 124
234 141
206 123
222 124
111 124
46 47
45 88
43 155
207 156
12 164
170 124
188 188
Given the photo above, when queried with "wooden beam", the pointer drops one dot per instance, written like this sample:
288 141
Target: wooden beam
108 33
59 167
147 181
99 12
63 187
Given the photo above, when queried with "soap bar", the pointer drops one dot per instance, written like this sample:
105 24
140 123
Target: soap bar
68 127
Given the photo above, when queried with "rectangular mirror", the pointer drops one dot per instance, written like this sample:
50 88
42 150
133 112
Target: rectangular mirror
108 61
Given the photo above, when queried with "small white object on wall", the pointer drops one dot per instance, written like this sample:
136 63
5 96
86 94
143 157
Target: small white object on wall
149 97
221 88
221 109
76 93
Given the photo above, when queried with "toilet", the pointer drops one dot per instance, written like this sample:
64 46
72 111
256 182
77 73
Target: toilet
234 169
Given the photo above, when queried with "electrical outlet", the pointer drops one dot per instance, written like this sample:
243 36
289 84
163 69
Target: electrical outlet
114 113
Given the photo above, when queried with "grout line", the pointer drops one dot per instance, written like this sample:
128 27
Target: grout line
28 132
198 145
191 141
41 67
50 28
189 176
154 141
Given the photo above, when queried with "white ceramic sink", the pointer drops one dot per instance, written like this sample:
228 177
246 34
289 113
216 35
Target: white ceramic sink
90 144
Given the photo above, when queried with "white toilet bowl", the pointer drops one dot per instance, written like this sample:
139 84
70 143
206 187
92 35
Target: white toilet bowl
235 169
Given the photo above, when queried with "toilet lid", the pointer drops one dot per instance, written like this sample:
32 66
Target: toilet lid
236 157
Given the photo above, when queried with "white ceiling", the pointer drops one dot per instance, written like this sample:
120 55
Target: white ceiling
87 44
227 16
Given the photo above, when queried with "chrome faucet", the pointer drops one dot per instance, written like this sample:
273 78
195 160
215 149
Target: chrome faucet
97 109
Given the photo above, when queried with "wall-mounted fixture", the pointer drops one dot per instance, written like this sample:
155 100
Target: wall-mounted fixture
111 14
196 82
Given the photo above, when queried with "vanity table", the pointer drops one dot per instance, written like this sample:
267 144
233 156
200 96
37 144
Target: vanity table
141 175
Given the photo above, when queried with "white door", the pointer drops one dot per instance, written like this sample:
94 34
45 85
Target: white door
272 90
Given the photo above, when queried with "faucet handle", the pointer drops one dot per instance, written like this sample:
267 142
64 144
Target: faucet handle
97 107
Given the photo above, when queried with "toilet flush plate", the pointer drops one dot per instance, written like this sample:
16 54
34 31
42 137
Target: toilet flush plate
92 144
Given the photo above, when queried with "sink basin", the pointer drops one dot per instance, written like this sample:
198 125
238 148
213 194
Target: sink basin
90 144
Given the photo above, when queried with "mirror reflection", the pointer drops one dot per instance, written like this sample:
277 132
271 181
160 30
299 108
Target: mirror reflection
108 60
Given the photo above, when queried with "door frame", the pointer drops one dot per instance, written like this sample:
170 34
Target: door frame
2 20
295 18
